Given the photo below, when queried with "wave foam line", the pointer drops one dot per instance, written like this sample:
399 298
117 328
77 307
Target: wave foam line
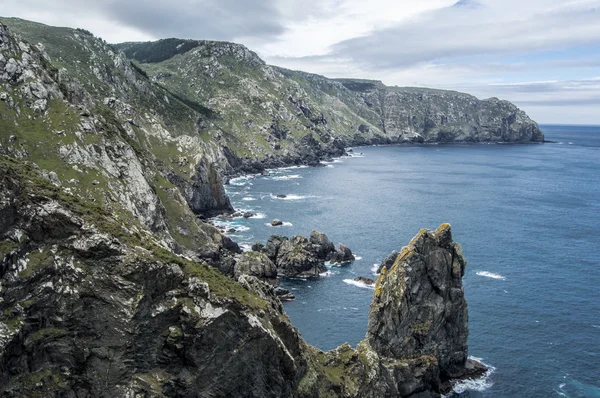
490 275
359 284
480 384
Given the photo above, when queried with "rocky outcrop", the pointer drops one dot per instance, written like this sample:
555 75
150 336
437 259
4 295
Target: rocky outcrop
295 258
303 257
419 306
416 342
255 264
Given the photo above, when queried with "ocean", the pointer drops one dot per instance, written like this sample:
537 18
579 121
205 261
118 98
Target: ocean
527 216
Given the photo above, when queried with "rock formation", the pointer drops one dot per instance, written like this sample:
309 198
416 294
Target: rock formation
91 307
417 298
302 257
111 283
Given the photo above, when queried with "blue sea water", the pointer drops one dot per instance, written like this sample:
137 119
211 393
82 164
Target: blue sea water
527 216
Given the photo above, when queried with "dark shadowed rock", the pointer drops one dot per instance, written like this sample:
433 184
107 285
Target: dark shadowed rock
365 280
281 196
342 254
276 222
323 247
388 261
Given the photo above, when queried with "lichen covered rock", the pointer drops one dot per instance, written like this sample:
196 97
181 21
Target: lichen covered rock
419 306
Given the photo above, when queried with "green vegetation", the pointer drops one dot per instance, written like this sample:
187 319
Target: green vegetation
46 334
158 51
37 260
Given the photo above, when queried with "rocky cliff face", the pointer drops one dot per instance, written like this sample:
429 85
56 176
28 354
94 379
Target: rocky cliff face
272 116
110 283
419 306
90 306
420 115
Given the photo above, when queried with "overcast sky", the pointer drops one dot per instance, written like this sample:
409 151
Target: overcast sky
541 54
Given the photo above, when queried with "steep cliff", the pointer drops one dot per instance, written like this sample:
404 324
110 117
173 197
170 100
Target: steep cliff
421 115
110 282
93 306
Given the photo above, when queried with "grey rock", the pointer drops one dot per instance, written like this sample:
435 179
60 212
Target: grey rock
295 258
322 244
388 261
365 280
255 264
426 288
276 222
342 254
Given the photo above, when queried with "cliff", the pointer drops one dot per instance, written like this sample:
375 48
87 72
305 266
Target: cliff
92 307
110 282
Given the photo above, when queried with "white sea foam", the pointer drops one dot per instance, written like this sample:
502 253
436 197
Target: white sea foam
374 268
248 198
570 143
259 216
359 284
279 169
292 197
246 247
285 224
286 177
357 258
490 275
326 273
240 181
480 384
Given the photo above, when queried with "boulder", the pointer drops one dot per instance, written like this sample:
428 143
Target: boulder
322 246
276 222
342 254
254 264
365 280
281 196
295 258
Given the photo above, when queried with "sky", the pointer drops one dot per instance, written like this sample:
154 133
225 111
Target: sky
543 55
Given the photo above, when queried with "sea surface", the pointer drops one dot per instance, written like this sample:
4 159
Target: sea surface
527 216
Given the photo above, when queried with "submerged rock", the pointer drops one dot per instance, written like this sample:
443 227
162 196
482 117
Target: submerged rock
281 196
284 294
365 280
